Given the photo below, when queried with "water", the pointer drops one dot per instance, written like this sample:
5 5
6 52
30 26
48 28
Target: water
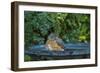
71 51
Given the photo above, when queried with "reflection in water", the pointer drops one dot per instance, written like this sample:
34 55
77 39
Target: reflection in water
71 51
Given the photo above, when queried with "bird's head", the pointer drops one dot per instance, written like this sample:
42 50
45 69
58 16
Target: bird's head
52 36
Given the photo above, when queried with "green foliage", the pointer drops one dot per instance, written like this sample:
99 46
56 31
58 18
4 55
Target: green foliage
27 58
70 27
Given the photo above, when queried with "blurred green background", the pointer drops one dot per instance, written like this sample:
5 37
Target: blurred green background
70 27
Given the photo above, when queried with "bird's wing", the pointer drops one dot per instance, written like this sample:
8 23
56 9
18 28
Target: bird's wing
60 42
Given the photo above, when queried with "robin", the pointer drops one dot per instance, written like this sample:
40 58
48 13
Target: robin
54 43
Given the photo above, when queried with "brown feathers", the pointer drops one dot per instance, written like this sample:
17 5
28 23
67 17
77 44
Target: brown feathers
53 45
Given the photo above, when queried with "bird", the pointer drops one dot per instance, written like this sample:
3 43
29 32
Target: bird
54 43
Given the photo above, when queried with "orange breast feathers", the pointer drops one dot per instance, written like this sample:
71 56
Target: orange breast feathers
53 45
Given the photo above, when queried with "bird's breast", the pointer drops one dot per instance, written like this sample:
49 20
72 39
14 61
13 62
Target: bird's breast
53 45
